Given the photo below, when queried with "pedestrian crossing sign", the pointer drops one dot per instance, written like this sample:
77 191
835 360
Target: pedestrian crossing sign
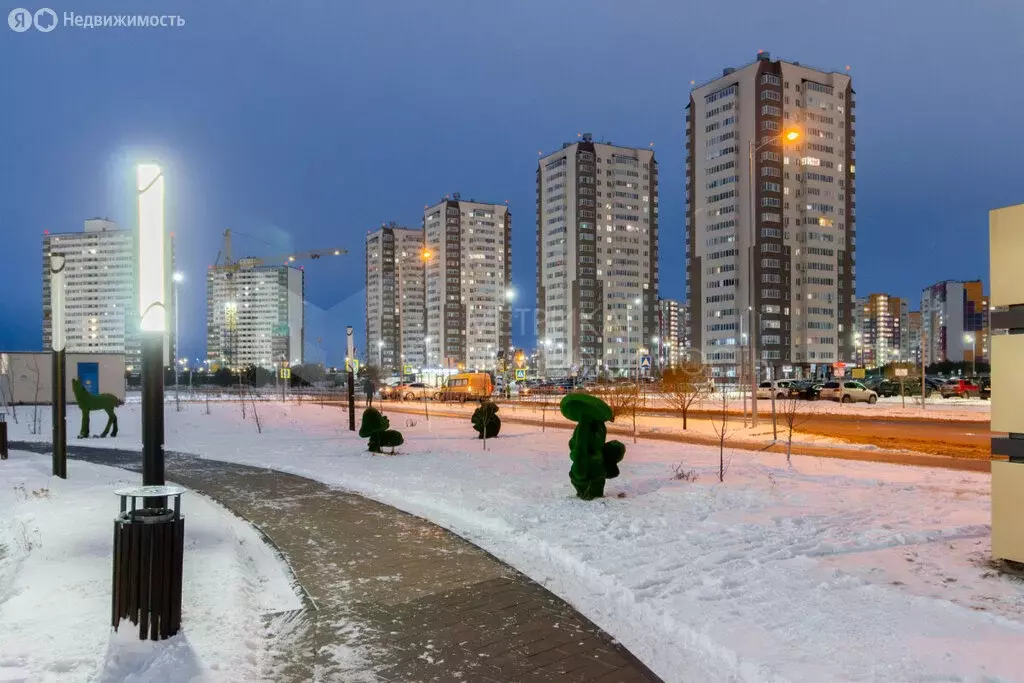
645 362
286 373
520 373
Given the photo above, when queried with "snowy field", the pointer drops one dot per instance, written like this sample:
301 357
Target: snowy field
824 571
55 573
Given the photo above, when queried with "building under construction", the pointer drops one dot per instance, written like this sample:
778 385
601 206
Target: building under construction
255 311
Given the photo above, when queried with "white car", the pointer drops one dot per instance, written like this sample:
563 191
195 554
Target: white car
847 391
411 392
778 388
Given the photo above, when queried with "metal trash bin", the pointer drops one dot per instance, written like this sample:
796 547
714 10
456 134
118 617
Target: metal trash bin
148 549
3 436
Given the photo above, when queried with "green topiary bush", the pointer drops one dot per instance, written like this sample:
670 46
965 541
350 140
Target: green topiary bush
390 438
593 459
486 421
373 427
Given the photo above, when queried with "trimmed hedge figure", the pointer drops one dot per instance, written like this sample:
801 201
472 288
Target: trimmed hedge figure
376 428
486 418
89 402
593 459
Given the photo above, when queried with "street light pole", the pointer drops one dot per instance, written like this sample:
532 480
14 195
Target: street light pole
178 278
153 323
59 343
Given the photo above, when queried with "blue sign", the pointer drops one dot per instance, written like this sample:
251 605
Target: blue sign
645 362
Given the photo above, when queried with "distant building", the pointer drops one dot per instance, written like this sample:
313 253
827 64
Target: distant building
597 257
469 279
954 322
802 232
255 315
395 321
880 325
671 332
101 292
912 338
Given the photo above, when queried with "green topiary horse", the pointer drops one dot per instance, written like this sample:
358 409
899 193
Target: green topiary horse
90 402
593 460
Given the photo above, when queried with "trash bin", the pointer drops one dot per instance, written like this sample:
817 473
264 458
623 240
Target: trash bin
149 540
3 436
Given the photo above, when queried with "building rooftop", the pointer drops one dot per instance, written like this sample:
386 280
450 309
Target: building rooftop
587 137
761 57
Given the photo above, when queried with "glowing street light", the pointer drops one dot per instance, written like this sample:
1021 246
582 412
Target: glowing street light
153 325
58 339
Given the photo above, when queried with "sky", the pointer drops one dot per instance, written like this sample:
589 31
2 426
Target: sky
302 125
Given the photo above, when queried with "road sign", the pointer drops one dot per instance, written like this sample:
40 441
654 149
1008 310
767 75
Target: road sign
520 373
645 362
858 373
286 373
901 372
839 371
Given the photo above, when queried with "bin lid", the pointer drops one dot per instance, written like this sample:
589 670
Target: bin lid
149 491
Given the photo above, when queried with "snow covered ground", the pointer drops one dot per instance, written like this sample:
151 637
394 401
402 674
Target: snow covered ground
826 571
55 553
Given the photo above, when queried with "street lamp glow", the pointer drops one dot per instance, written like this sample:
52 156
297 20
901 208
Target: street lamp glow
150 188
510 294
178 278
58 333
792 135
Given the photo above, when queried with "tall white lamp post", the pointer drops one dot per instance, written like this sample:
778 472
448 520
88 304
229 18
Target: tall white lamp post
153 320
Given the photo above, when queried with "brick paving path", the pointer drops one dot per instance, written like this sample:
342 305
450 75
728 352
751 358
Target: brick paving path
418 603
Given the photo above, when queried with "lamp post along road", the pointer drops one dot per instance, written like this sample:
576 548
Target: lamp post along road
789 136
177 278
58 339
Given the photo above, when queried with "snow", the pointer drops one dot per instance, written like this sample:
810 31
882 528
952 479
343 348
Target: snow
55 553
826 570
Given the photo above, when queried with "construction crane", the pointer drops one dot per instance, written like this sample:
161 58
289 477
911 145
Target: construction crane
229 267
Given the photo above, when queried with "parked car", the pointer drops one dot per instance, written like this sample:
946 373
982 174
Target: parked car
847 391
805 389
411 391
959 388
778 388
466 386
985 388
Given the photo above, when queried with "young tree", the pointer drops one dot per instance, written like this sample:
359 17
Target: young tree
685 386
795 412
623 399
721 426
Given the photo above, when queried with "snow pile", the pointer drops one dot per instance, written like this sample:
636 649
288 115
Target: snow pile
55 573
829 570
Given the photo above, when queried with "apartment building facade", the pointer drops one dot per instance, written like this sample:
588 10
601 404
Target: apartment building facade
780 241
597 258
671 332
955 322
255 315
101 291
880 330
395 285
469 292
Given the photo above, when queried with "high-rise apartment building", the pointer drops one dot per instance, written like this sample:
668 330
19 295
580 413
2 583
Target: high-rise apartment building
597 258
880 329
671 333
395 321
954 322
790 221
254 315
912 339
101 291
469 277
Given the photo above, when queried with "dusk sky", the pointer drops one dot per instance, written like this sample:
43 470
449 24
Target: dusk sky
305 124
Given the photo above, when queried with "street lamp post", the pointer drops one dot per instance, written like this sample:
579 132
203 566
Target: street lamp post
58 340
789 136
177 278
153 322
380 355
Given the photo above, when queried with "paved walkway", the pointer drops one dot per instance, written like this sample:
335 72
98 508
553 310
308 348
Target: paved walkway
419 602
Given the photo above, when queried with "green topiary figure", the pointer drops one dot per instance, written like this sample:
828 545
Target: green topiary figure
90 402
377 428
390 438
593 459
486 421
